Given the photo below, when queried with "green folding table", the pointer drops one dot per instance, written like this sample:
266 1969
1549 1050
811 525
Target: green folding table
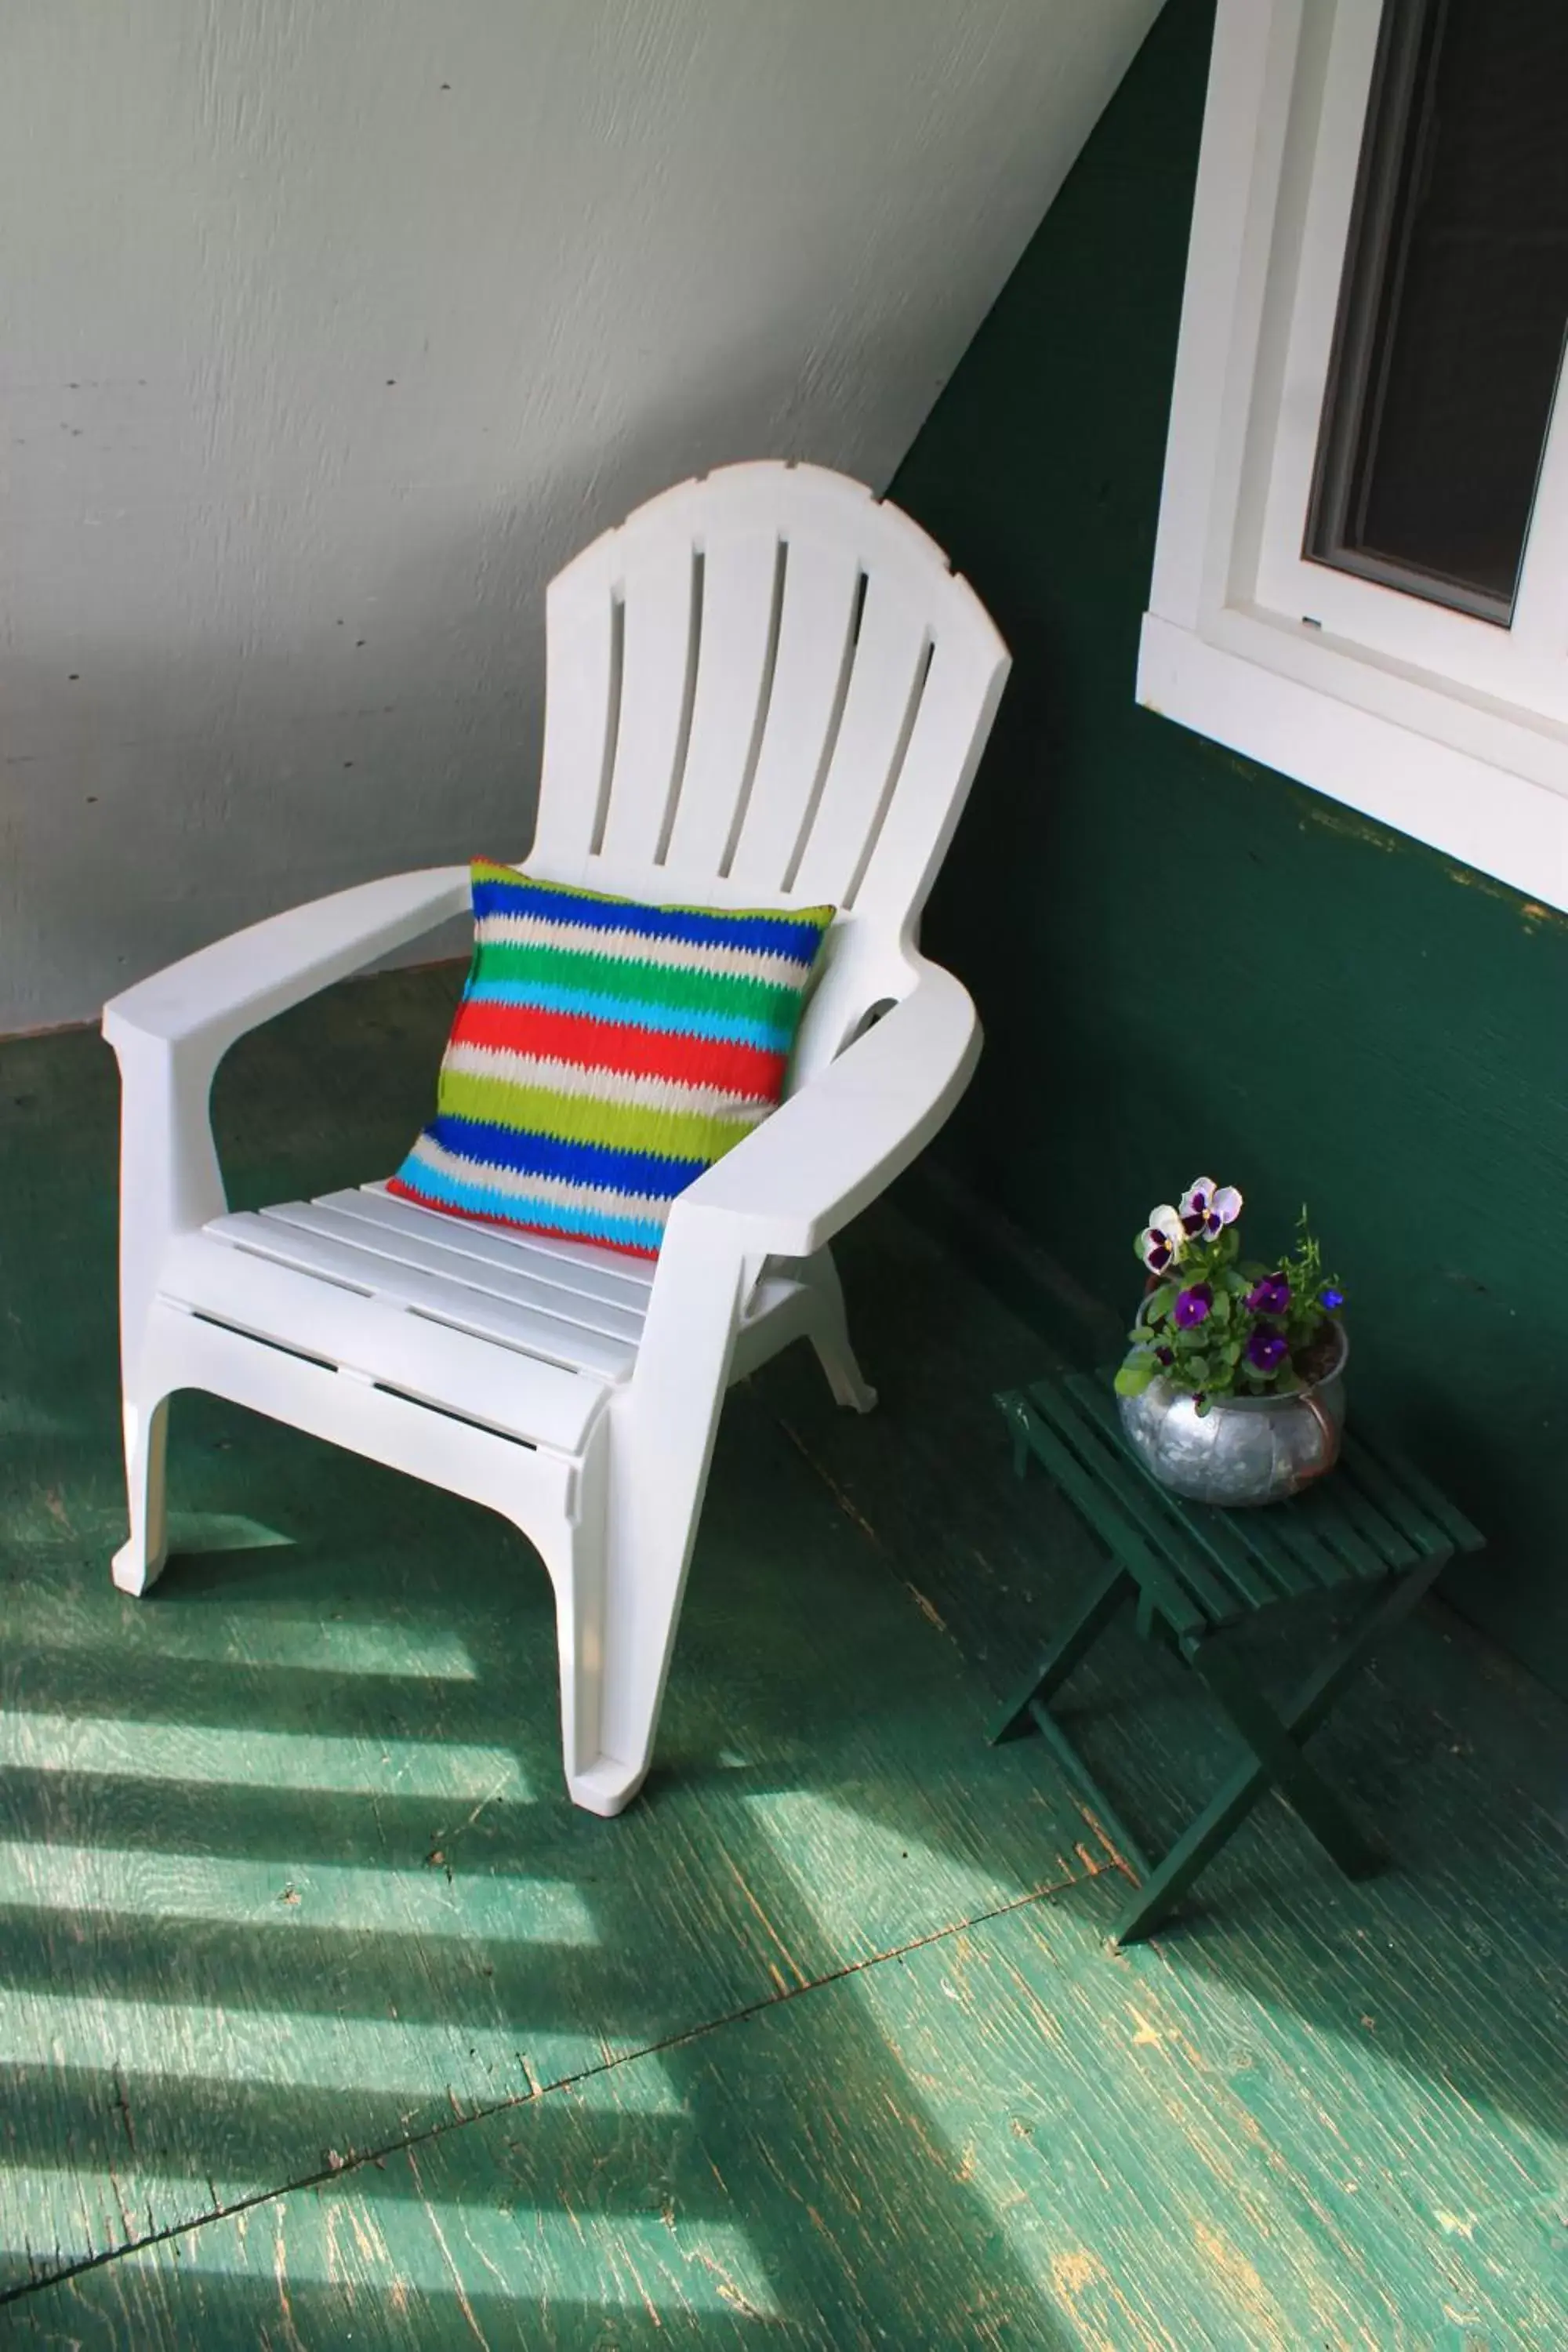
1373 1534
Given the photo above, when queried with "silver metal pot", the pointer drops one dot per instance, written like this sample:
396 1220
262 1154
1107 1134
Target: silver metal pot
1244 1450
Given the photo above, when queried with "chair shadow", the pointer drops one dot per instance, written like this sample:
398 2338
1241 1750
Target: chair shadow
189 2020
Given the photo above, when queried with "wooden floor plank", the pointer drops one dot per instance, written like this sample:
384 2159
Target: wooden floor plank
1000 2140
286 1874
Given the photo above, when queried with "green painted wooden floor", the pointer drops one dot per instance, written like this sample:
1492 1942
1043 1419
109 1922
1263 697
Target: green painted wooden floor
324 2020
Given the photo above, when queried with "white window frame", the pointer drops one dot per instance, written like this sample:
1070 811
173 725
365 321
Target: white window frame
1444 725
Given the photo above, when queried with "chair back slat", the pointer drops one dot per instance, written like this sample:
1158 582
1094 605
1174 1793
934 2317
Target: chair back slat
766 685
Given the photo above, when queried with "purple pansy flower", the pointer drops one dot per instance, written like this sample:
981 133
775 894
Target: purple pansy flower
1164 1355
1207 1208
1265 1350
1193 1306
1331 1299
1269 1297
1161 1240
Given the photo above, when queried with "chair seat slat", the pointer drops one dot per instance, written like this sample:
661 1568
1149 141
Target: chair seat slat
607 1274
483 1317
386 1244
500 1387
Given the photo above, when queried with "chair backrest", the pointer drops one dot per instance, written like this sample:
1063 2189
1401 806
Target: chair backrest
766 687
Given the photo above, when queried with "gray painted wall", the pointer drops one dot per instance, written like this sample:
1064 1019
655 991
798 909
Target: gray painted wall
331 331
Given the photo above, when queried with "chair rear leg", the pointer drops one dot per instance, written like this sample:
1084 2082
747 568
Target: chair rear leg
139 1562
830 1334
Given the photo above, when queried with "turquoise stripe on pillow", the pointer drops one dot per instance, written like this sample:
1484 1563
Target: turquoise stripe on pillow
672 1021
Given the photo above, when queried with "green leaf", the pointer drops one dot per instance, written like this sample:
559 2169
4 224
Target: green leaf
1135 1375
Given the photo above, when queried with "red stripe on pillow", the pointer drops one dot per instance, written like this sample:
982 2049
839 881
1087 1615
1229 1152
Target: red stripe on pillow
739 1069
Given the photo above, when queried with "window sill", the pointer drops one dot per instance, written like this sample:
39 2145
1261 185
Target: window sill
1482 784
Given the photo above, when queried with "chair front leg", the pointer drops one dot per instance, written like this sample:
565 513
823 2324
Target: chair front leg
139 1562
169 1182
621 1573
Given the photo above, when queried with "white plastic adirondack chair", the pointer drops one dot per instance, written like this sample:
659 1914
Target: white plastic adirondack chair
765 687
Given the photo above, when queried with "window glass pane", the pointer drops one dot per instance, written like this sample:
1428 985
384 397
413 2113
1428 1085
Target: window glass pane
1455 303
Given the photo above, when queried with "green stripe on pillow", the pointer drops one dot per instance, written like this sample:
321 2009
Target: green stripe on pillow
588 1118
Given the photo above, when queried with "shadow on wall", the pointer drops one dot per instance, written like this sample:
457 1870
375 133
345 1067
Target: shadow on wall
289 711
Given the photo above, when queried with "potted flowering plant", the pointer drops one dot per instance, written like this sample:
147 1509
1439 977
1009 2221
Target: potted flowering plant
1232 1390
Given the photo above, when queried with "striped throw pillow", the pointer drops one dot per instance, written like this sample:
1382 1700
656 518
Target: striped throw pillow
603 1054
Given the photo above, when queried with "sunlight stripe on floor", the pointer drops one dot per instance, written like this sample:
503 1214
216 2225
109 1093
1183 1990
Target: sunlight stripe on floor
163 2040
240 1638
152 1884
161 2043
213 1756
375 2245
875 1862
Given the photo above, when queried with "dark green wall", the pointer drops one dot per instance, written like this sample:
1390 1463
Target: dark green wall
1185 963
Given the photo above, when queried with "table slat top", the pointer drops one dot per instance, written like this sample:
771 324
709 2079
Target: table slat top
1374 1517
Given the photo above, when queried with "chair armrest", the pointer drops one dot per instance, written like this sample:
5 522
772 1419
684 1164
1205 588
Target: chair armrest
211 998
171 1031
833 1147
